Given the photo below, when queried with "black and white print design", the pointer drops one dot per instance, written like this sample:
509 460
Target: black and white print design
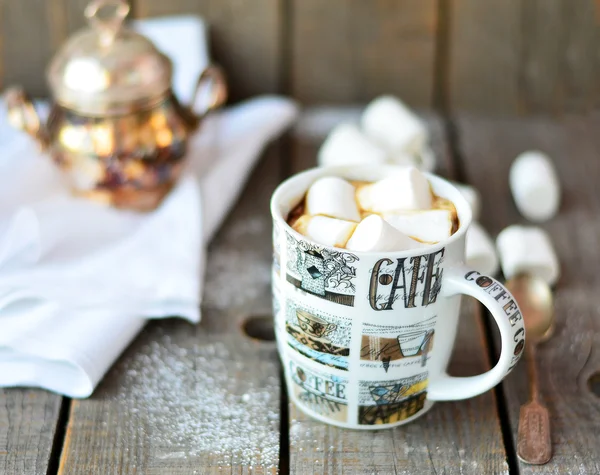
325 273
408 282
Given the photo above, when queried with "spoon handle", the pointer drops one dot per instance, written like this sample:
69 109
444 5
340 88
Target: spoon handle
534 391
534 444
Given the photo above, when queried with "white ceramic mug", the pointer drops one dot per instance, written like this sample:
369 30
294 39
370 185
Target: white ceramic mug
393 317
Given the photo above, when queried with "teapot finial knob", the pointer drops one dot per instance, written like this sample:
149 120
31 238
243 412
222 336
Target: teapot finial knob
107 16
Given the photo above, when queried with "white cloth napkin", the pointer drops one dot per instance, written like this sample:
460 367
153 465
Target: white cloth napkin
78 280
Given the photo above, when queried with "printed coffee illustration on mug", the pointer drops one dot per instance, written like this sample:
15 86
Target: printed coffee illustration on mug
394 345
323 272
318 336
385 402
322 393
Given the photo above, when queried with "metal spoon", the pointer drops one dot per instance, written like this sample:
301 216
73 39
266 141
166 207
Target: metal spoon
534 445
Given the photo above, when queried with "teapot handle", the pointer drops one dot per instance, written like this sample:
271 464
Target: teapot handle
22 115
214 78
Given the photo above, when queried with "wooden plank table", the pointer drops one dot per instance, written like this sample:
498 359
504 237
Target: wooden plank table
208 399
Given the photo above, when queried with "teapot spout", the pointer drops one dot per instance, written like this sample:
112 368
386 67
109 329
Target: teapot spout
22 115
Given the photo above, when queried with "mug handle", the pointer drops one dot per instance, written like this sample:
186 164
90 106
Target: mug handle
503 307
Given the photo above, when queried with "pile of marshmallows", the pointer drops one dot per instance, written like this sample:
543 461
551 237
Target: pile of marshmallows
389 132
392 214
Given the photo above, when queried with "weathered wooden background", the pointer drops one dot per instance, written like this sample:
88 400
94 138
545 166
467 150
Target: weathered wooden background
491 56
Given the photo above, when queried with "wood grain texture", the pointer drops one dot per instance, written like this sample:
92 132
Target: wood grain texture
453 438
580 56
498 56
195 399
31 30
542 65
28 423
567 360
351 51
561 65
523 56
485 55
246 38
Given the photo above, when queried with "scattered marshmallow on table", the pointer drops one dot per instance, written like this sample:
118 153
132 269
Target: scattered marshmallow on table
470 194
325 230
347 145
527 249
535 186
334 197
408 189
375 234
387 121
427 226
480 250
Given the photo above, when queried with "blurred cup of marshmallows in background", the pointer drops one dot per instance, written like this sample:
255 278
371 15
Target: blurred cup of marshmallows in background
389 132
347 145
392 125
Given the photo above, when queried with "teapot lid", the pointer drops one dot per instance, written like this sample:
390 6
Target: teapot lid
107 68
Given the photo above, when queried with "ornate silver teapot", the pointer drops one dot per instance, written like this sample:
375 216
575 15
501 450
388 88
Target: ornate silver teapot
115 128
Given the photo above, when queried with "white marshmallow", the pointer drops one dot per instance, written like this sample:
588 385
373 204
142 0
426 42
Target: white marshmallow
535 186
387 121
472 196
424 161
374 234
426 226
527 249
347 145
408 189
481 253
324 230
334 197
